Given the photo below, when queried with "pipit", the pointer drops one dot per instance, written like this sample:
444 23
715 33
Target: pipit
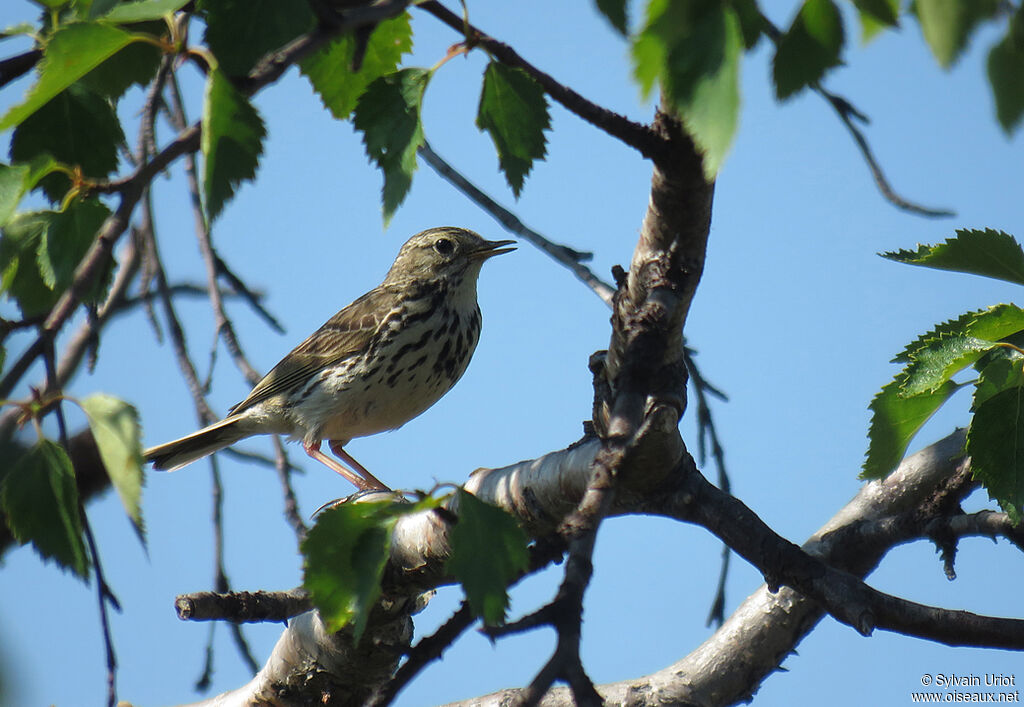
373 366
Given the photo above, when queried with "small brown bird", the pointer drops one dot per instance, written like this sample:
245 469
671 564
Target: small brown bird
373 366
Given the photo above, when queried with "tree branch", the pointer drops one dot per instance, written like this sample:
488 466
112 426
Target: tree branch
646 141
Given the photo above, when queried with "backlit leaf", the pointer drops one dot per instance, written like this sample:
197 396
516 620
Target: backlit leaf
329 72
947 24
231 143
388 114
514 112
694 50
345 553
488 553
73 51
115 427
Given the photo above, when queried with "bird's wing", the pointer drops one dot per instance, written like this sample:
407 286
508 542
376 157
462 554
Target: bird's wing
341 336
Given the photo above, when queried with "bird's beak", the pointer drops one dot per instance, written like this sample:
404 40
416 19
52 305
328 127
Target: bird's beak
492 248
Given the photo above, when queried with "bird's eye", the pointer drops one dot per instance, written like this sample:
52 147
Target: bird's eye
444 246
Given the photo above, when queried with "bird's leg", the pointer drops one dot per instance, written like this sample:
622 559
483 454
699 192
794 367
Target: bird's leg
355 466
313 450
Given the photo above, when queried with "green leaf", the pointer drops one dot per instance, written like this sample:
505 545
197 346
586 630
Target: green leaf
135 65
947 24
40 499
41 250
809 48
995 439
115 427
615 12
939 360
66 239
752 22
73 51
514 111
949 348
328 69
231 143
1006 74
18 179
131 12
78 128
997 375
876 15
21 277
241 31
694 49
989 253
488 553
895 421
388 114
345 553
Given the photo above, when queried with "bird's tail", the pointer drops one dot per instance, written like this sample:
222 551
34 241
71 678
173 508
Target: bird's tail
176 454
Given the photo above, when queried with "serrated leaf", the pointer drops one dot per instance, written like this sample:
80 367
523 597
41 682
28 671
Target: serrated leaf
73 51
514 112
131 12
115 427
615 12
231 142
810 47
1005 72
328 70
388 114
694 50
241 31
135 65
42 249
939 360
66 239
79 128
18 179
21 277
947 24
752 22
876 15
989 253
997 376
345 553
995 439
13 180
488 551
895 421
40 499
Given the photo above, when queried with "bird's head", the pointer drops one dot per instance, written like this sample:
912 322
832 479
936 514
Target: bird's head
446 253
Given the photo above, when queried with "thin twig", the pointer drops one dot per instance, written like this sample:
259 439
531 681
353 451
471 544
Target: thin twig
104 594
571 259
847 112
428 649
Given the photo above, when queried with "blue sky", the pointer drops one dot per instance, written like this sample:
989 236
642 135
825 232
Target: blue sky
796 319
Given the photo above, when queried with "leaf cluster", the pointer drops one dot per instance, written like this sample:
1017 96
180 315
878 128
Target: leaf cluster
39 495
990 343
347 550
